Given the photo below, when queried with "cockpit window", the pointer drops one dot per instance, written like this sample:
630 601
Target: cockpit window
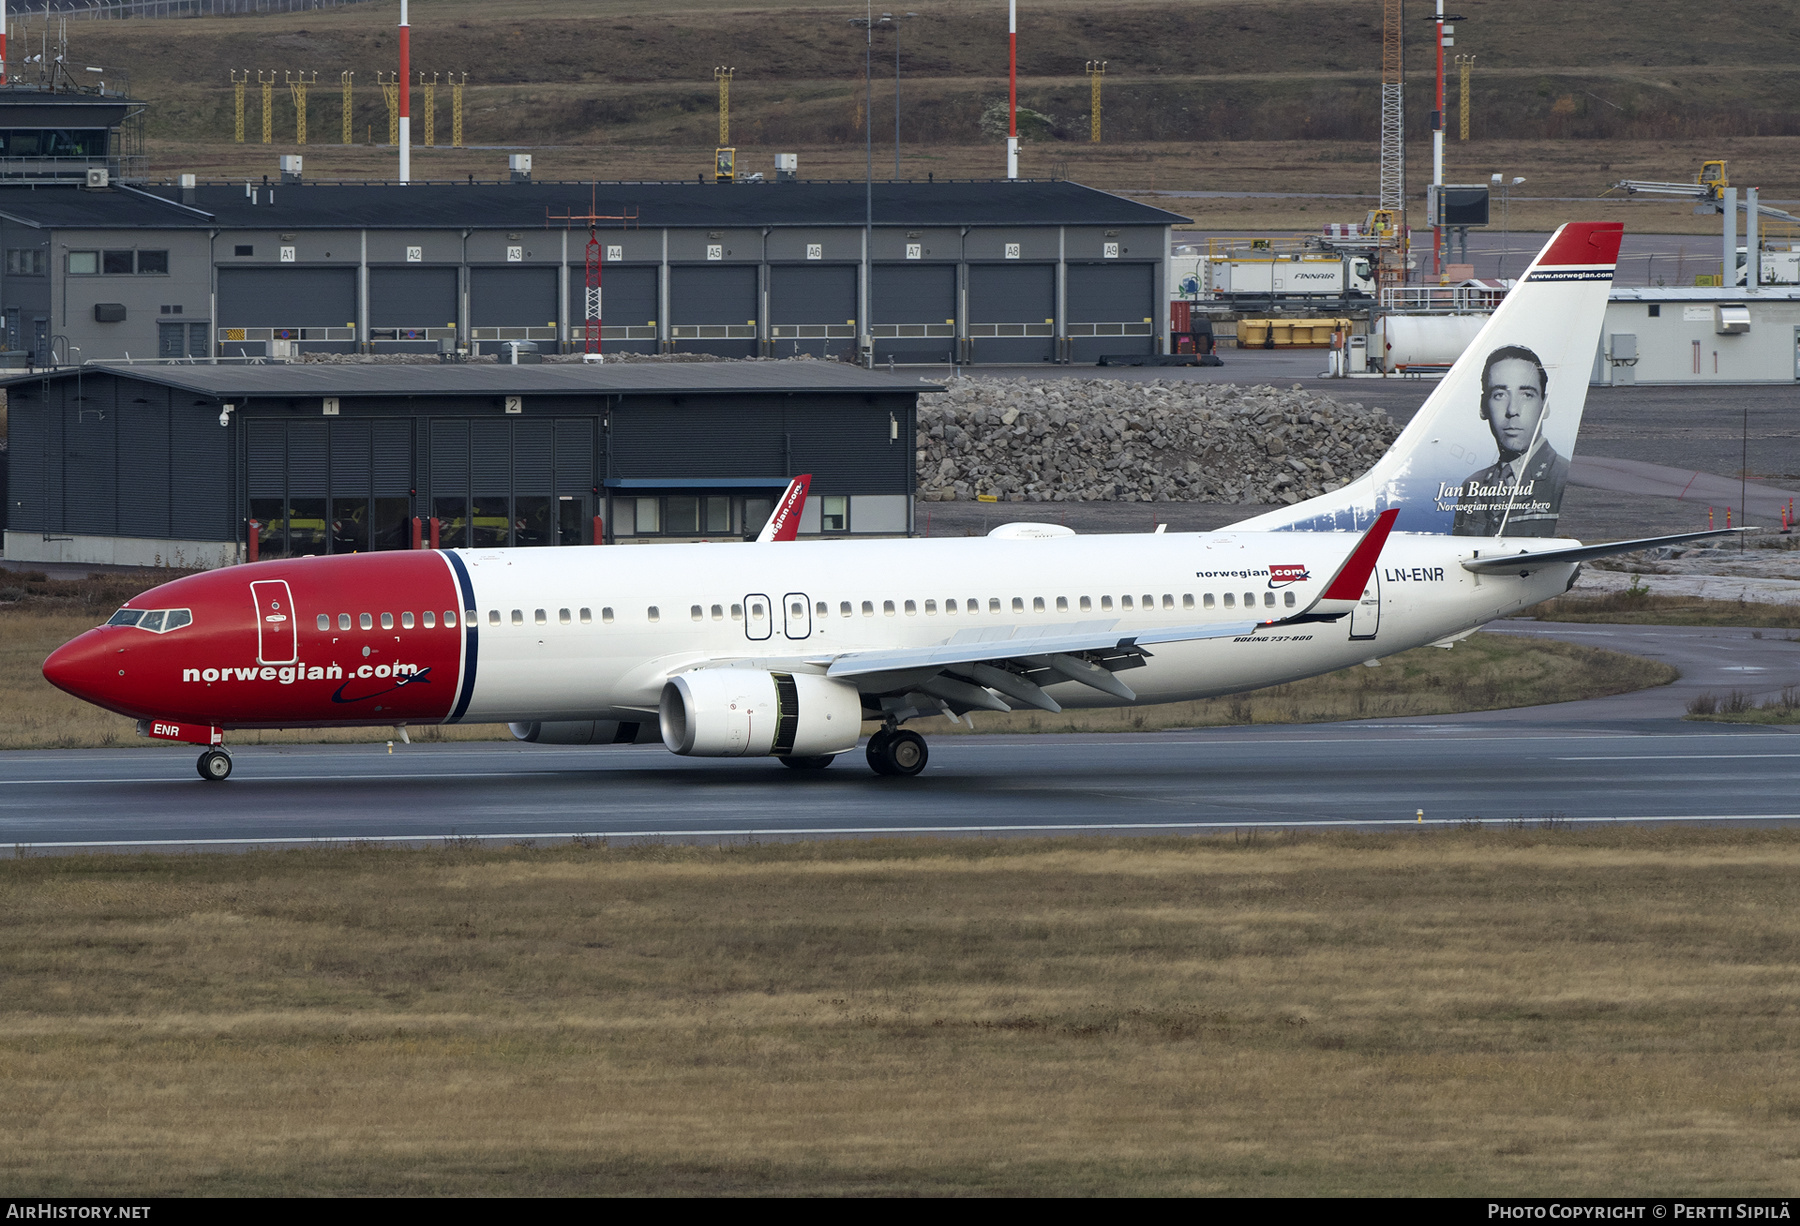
157 621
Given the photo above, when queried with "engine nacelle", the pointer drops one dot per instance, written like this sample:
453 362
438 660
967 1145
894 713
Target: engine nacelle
586 732
748 712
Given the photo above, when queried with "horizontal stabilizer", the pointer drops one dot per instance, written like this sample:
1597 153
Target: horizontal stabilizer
1524 563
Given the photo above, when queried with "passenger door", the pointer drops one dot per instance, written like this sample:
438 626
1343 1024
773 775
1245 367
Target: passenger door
1365 618
276 641
759 619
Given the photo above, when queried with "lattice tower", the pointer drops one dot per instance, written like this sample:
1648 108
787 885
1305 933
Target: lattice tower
1393 104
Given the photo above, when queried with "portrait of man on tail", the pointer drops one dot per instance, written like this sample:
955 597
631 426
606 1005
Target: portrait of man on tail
1521 494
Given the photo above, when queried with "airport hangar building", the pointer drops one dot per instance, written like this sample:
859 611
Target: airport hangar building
970 272
171 463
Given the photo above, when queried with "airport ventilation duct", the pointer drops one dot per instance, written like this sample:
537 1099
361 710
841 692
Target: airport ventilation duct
1731 319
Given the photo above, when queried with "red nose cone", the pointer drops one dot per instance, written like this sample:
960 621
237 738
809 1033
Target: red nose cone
81 667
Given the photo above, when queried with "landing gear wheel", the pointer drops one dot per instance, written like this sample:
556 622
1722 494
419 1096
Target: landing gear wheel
214 766
877 751
817 762
898 753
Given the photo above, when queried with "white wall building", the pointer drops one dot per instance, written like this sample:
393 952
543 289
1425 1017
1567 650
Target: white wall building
1658 335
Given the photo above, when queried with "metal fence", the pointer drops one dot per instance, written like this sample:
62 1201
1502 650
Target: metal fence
119 10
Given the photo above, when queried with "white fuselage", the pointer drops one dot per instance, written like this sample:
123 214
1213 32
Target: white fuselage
594 633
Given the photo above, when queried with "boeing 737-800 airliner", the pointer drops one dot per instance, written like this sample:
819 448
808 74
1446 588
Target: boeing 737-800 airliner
788 649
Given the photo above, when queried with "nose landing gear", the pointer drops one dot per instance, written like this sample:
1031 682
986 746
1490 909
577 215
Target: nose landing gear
897 751
214 765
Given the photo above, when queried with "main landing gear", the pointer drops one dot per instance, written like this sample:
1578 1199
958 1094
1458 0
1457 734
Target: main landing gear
214 765
897 751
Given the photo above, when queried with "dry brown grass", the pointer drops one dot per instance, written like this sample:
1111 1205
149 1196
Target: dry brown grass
1639 607
1525 1011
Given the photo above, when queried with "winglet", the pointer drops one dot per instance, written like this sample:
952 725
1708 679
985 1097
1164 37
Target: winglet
1353 576
784 524
1346 587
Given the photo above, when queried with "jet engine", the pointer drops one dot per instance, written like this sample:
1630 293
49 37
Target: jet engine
747 712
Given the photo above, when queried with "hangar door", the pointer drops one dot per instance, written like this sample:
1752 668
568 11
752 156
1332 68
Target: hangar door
502 483
628 307
1012 312
339 486
512 304
1112 309
912 312
316 306
712 309
411 308
812 309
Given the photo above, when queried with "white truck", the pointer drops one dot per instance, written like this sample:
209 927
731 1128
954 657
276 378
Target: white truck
1263 274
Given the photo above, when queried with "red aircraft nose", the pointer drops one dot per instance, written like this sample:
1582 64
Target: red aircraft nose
87 667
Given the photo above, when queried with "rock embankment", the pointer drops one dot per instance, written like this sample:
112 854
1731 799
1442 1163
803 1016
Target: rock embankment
1109 440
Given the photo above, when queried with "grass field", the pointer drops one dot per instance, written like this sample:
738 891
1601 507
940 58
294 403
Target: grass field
1641 608
1526 1010
1481 673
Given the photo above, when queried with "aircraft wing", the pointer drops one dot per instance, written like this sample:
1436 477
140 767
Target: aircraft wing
1525 562
1011 643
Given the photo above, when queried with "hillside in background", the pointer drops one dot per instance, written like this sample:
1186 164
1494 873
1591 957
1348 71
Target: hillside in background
632 81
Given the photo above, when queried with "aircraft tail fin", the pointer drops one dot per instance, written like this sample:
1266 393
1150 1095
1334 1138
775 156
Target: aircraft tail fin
784 522
1488 453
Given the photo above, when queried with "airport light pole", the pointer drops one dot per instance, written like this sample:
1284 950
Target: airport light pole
1012 89
888 18
1505 185
405 96
867 22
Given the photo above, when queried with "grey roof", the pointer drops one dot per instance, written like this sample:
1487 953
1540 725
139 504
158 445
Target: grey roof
306 379
529 206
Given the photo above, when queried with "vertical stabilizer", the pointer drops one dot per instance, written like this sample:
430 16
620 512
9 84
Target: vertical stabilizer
1488 453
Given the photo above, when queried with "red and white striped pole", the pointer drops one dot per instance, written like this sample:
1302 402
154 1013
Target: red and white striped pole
405 96
1012 89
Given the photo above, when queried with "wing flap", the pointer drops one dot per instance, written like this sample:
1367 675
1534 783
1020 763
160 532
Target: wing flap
1021 644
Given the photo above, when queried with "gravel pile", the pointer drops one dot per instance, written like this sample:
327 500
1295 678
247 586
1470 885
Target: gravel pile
1084 440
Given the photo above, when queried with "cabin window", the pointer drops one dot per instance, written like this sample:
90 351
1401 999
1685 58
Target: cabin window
1018 604
1269 600
718 612
973 606
823 609
1187 600
450 619
1087 604
1288 599
1168 601
430 619
564 616
868 608
844 609
1037 604
653 614
1149 601
493 617
365 621
887 607
518 617
993 604
950 606
1207 600
1124 602
911 609
1106 602
406 621
737 613
1062 604
1230 601
1249 600
387 621
587 616
696 613
606 615
469 618
324 621
930 608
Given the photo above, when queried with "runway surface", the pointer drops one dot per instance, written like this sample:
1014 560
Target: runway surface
1630 758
